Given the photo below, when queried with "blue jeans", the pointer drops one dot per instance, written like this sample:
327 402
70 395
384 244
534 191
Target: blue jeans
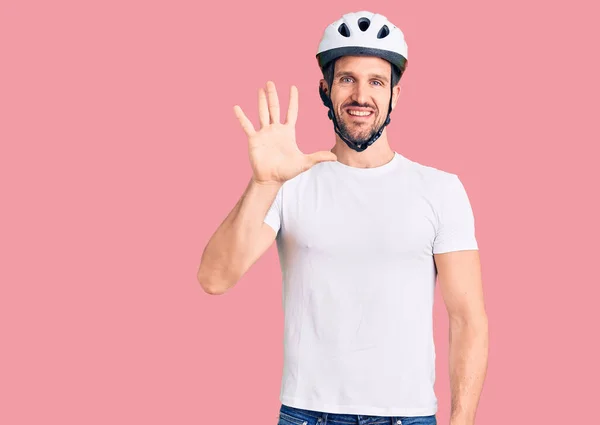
293 416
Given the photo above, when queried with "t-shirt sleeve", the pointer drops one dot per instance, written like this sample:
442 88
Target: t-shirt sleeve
273 217
456 224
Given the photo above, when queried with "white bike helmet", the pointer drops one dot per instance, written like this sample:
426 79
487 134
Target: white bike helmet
361 34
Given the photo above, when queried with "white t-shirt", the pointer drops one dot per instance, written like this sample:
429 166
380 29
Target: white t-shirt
356 251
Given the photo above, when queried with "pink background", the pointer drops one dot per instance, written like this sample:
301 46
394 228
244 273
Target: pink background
121 155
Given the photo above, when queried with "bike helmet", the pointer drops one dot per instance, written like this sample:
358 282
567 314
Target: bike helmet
361 34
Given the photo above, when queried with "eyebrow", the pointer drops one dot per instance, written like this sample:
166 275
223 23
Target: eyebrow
347 73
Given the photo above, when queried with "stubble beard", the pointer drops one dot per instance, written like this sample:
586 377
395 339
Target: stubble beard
357 133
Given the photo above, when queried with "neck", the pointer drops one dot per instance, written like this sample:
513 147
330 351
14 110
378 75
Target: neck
379 153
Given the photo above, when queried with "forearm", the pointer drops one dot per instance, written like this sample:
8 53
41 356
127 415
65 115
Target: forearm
230 247
468 367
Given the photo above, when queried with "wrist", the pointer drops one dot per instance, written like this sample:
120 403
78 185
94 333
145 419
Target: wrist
461 420
267 184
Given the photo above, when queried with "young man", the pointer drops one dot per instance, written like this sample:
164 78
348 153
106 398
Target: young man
362 233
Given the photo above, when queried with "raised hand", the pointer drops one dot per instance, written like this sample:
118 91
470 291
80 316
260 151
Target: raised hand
274 154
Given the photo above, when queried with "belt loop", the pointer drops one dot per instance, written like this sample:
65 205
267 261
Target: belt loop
324 418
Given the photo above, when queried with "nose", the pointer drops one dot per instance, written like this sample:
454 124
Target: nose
361 93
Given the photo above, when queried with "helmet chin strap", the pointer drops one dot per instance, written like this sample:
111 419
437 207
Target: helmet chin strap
362 146
352 145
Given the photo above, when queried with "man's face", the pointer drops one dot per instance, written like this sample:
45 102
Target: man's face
360 94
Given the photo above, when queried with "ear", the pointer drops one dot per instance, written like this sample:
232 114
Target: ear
323 85
395 95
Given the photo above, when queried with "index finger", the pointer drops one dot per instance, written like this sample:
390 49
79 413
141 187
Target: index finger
292 113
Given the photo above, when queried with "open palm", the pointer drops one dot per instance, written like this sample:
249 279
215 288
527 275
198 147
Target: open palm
274 154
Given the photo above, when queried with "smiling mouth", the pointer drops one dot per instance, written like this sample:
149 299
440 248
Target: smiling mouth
359 114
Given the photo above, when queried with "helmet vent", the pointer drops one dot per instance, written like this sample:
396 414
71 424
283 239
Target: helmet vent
383 32
363 24
343 29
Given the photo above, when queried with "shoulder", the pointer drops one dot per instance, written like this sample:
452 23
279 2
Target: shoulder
432 179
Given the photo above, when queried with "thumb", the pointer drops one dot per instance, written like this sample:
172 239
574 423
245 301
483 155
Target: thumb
322 156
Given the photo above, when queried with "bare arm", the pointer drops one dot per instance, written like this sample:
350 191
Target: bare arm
239 241
459 276
275 158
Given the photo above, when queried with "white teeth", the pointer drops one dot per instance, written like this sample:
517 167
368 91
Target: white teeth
359 113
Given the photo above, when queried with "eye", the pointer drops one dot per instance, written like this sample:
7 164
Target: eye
379 83
346 78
